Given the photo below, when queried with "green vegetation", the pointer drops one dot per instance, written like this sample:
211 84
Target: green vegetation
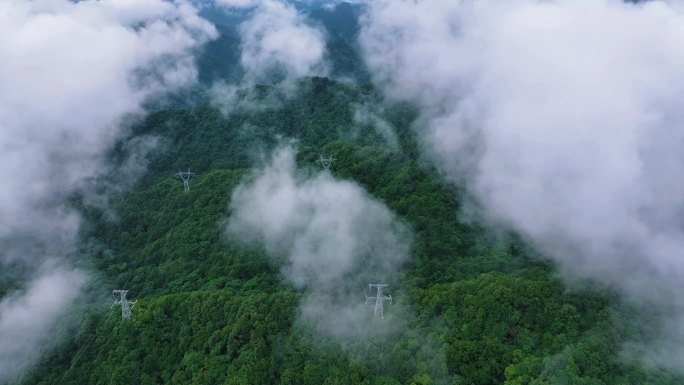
478 309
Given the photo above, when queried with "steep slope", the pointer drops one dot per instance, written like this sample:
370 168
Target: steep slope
476 308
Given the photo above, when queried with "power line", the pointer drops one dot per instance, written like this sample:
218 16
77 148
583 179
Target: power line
379 299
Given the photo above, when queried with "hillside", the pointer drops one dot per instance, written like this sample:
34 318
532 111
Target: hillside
507 172
475 307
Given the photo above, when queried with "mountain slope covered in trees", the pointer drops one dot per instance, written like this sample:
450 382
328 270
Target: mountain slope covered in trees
476 307
473 305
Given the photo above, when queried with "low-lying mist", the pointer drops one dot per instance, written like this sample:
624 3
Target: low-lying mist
73 75
563 119
329 236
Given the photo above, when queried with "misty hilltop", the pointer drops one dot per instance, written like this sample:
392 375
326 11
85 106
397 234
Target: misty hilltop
328 192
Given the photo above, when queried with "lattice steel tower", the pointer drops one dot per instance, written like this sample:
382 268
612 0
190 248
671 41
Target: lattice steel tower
125 305
379 299
326 162
185 177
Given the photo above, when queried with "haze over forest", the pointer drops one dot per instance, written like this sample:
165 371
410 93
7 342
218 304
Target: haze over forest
511 170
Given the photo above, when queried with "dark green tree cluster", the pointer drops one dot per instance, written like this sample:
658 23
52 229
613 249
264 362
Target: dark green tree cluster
476 307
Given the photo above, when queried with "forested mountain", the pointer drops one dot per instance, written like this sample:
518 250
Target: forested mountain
473 305
478 309
220 58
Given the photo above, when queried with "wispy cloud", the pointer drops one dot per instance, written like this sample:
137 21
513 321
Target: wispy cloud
277 43
71 74
563 118
28 318
331 237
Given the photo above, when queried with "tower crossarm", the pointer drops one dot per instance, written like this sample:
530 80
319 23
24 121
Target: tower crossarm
185 177
326 162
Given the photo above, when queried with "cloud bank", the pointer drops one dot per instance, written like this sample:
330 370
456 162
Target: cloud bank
71 75
564 119
28 318
279 39
277 43
334 238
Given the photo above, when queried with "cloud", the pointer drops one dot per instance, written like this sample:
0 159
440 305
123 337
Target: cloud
27 319
237 3
334 238
370 114
72 75
563 118
278 44
279 39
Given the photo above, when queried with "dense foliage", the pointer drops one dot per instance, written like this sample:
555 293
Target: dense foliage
477 309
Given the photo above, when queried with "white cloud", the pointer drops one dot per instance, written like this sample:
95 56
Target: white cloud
335 238
562 117
27 320
278 38
369 114
237 3
70 74
278 44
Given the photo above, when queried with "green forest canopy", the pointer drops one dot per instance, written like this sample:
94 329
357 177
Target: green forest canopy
478 308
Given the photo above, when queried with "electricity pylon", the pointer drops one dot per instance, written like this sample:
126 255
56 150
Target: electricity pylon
379 299
326 162
125 308
185 177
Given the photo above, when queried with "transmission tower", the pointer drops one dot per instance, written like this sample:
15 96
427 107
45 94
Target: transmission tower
326 162
125 305
379 299
185 177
